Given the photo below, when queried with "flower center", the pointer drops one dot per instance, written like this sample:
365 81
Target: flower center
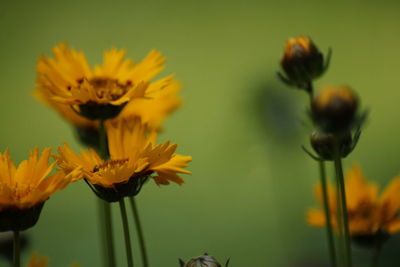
109 164
105 88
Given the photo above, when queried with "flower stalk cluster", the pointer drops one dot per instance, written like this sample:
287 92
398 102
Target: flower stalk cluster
334 112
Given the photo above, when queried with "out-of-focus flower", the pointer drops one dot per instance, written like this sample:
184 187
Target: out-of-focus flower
202 261
40 261
334 109
24 190
302 62
134 157
37 261
368 214
98 93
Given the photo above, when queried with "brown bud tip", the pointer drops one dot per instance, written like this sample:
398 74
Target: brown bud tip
298 47
334 109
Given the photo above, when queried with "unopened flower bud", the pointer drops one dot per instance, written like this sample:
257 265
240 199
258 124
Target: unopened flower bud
324 145
202 261
334 109
302 62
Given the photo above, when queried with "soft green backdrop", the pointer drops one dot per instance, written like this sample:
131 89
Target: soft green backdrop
251 183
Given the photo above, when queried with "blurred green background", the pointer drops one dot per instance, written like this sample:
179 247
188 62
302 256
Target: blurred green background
251 183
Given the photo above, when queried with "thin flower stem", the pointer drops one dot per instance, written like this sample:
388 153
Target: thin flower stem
339 220
331 242
128 246
375 256
17 253
107 232
342 189
140 232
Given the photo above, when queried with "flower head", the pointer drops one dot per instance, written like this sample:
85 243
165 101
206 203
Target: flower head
24 189
134 157
334 109
98 93
368 214
302 61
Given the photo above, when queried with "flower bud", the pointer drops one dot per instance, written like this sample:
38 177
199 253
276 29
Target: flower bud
202 261
324 145
302 62
334 109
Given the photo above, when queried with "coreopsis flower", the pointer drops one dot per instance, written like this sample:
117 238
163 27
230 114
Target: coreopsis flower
369 216
24 189
97 93
134 157
302 62
334 109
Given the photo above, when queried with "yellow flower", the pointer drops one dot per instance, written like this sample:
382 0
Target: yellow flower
98 93
134 157
24 189
368 215
39 261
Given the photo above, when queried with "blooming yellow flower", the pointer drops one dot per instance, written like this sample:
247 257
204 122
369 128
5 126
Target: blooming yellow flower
134 157
98 93
39 261
25 188
161 96
367 214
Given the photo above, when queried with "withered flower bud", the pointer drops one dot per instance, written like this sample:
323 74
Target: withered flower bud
302 62
334 109
324 145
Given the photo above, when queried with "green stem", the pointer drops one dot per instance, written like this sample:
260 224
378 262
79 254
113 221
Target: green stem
375 256
140 232
128 246
17 254
343 202
331 242
107 232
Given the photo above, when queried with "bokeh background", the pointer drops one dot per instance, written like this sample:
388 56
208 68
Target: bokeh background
251 183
